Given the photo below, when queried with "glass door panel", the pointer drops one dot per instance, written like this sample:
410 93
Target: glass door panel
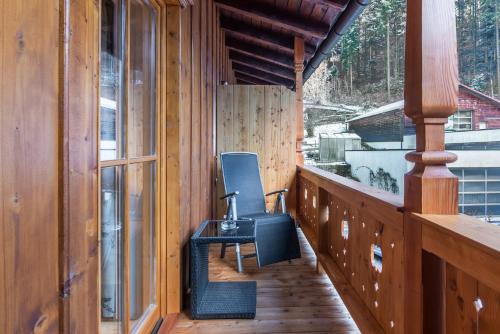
112 143
112 213
142 79
142 241
128 171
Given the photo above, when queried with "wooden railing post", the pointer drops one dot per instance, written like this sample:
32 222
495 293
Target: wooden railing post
299 69
431 96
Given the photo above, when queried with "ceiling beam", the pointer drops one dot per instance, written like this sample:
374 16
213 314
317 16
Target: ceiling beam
270 15
338 4
242 29
262 75
260 52
249 79
260 64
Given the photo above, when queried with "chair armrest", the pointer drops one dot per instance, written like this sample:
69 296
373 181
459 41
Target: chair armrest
230 195
277 192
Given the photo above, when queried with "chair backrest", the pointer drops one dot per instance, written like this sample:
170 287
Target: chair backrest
240 171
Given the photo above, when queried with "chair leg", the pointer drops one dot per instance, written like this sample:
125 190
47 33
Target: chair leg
238 258
223 251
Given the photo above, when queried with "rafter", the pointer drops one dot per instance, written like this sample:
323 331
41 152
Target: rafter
270 15
338 4
260 52
262 75
243 82
260 64
247 78
241 29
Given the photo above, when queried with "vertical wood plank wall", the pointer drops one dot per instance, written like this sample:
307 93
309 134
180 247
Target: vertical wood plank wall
49 98
259 119
197 59
29 170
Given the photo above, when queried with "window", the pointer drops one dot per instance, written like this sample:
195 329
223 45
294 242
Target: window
128 166
479 190
461 120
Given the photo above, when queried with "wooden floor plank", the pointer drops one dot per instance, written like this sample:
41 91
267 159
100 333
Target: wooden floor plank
291 298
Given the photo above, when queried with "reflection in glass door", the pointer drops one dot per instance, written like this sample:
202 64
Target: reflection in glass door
128 166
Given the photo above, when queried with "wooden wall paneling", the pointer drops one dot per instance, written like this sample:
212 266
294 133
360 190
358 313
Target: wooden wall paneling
79 231
207 113
271 142
252 118
256 117
224 136
186 114
241 103
213 110
186 139
29 146
163 232
195 115
175 60
202 199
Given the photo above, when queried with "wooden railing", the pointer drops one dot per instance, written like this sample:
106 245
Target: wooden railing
360 239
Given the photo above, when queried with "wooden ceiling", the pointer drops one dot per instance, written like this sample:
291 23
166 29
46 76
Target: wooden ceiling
260 35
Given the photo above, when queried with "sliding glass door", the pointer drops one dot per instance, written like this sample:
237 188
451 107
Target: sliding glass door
129 246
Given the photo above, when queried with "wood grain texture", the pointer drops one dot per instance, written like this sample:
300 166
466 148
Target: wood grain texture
431 96
195 62
280 19
172 200
299 82
291 298
466 243
30 181
258 119
324 202
79 231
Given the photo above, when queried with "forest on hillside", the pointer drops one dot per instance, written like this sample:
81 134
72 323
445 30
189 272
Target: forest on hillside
367 66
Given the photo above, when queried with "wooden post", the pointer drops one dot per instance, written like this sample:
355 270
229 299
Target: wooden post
431 96
299 69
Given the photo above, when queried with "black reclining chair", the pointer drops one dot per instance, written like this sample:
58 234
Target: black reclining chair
276 234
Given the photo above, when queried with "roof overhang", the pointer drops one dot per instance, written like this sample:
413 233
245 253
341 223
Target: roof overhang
260 34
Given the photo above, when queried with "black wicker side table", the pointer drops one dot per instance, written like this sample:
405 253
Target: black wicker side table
220 300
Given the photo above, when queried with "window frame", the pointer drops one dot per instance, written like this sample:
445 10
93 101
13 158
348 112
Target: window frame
149 318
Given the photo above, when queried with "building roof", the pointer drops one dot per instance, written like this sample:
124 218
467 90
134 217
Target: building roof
342 135
480 95
399 105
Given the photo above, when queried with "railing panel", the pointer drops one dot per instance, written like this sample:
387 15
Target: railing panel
307 199
471 249
365 244
464 297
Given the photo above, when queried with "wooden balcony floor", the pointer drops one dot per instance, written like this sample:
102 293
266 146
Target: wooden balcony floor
291 298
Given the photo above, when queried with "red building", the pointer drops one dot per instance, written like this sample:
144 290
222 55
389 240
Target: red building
485 110
476 111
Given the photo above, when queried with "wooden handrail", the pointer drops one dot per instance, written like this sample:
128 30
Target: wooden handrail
468 247
467 243
373 193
